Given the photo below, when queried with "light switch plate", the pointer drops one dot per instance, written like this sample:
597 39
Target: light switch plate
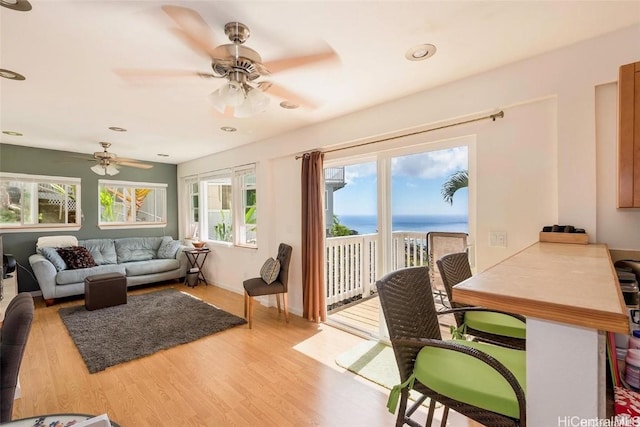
498 239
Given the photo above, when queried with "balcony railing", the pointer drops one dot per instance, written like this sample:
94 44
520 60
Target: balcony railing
351 262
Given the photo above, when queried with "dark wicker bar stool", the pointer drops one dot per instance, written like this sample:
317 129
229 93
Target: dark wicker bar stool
500 328
482 381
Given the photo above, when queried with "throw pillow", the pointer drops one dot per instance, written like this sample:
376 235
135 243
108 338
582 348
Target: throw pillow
168 249
270 270
77 257
52 255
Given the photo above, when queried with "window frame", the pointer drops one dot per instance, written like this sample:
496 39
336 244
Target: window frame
197 230
133 185
204 202
49 180
240 217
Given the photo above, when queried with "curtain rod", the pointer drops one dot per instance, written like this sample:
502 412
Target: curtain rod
493 117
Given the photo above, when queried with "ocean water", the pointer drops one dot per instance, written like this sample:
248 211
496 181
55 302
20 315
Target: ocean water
366 224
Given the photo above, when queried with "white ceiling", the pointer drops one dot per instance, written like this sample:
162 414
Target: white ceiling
68 51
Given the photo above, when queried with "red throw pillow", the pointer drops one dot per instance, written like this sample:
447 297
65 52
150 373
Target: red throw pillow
77 257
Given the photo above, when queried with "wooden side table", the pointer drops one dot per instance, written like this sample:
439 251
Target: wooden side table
196 258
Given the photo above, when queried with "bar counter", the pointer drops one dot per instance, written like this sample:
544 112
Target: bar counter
570 296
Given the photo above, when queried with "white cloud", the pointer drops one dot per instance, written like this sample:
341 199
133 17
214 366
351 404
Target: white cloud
360 170
434 164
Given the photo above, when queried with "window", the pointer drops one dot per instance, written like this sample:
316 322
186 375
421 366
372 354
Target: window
138 204
218 202
222 206
31 201
247 212
193 216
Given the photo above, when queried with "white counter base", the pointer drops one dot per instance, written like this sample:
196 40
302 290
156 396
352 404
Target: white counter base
565 374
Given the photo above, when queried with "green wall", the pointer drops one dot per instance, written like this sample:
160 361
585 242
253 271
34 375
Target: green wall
19 159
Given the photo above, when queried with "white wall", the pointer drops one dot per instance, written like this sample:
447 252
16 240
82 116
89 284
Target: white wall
536 166
619 228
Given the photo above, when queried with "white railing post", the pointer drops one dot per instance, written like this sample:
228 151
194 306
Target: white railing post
351 262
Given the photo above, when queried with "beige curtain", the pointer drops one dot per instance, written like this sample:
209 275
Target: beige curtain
313 286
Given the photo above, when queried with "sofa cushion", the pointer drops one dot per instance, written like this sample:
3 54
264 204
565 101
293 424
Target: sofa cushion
153 266
55 242
76 257
68 277
54 257
102 250
130 249
168 248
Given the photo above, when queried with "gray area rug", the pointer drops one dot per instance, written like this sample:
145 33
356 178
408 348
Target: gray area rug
147 323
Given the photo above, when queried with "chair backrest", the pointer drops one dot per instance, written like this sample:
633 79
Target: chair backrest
440 243
410 312
13 335
454 268
284 256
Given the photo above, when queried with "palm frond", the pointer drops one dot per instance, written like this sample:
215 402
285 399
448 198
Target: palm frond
455 182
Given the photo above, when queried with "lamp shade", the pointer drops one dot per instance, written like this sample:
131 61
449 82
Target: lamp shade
246 100
255 102
99 169
111 170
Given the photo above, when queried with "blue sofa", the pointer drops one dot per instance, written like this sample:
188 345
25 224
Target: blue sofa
141 259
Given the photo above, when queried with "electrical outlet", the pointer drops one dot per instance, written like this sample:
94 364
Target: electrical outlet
498 239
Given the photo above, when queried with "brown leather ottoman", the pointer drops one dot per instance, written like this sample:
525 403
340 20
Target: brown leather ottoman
105 290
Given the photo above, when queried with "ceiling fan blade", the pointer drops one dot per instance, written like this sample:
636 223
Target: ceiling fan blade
193 29
196 45
144 73
133 164
287 95
300 61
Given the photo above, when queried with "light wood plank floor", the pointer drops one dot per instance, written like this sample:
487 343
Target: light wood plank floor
276 374
364 315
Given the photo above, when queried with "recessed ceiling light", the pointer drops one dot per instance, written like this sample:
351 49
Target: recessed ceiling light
289 105
8 74
12 133
228 129
19 5
162 155
420 52
117 129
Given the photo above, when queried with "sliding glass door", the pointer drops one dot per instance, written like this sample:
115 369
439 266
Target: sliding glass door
379 217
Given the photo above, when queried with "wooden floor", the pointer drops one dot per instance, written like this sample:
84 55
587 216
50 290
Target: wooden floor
364 316
276 374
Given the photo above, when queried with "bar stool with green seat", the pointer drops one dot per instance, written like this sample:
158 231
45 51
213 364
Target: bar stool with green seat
506 329
481 381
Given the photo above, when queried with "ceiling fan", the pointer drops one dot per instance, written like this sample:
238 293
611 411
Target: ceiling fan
242 95
106 162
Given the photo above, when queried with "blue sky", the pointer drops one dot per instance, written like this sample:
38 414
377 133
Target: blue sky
416 183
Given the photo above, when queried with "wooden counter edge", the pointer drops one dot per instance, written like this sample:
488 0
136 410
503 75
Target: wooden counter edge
589 318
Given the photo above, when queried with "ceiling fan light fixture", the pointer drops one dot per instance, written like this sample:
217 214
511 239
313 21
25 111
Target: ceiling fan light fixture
99 169
111 170
255 102
232 93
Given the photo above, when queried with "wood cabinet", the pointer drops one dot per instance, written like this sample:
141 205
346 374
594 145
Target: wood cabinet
629 136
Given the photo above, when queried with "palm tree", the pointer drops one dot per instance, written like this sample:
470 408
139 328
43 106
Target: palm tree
455 182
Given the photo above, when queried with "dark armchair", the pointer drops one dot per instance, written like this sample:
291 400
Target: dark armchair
257 286
14 334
